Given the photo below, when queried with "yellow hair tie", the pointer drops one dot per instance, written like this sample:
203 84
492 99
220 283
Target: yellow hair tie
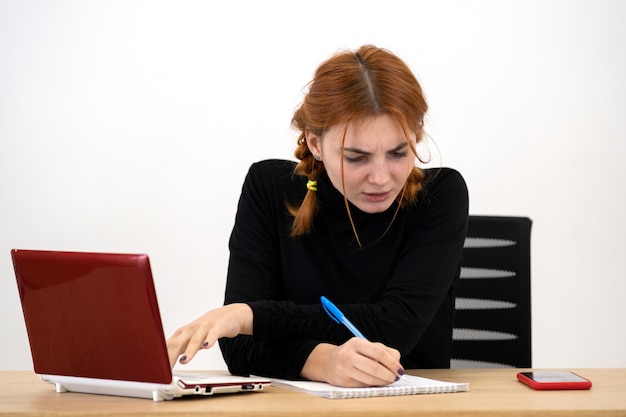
311 185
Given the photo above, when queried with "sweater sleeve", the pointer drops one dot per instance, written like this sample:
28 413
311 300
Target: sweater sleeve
254 274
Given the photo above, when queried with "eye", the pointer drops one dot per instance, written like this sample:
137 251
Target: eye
354 159
399 154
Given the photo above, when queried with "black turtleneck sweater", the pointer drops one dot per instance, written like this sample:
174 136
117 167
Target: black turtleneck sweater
398 288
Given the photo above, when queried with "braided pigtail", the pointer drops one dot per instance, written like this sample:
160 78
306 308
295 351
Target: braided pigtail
311 168
412 187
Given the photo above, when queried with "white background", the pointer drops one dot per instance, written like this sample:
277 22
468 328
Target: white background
128 126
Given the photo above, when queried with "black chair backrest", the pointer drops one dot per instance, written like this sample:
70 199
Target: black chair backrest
492 322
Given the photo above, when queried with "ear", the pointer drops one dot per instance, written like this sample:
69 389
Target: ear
314 143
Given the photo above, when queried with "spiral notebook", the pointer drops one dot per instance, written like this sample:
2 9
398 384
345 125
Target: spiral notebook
409 385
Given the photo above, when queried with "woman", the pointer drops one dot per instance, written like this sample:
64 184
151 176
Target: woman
354 220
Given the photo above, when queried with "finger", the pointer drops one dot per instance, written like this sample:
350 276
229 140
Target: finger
196 343
381 362
372 372
173 356
190 352
394 363
175 346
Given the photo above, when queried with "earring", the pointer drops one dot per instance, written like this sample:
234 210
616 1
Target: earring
317 157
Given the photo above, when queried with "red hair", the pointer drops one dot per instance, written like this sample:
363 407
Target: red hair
348 87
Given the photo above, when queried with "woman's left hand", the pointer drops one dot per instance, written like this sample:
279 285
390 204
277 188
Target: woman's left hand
227 321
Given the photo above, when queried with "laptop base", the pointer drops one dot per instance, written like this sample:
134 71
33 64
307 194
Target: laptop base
157 392
203 385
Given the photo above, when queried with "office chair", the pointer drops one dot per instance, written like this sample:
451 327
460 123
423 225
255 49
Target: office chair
492 321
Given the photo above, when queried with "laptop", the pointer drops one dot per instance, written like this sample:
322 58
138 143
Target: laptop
94 326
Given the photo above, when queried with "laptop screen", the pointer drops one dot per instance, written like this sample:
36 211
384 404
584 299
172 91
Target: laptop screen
92 315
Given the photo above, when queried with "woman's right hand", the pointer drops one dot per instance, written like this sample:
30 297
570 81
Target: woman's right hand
356 363
227 321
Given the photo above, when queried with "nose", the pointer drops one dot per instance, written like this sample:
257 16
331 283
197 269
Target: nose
379 173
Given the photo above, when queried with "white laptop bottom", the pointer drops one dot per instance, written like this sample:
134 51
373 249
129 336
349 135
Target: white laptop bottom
182 384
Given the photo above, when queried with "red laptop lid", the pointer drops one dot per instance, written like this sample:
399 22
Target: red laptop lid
92 315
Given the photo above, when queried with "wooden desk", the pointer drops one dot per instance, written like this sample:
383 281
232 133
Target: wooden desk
492 392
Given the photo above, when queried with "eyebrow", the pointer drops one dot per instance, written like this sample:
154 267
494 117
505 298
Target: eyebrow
400 147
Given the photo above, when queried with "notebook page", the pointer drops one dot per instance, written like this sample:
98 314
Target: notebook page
410 385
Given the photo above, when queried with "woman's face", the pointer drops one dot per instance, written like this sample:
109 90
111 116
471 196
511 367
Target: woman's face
377 161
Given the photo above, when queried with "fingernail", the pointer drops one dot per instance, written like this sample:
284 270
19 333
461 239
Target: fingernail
205 345
182 359
400 371
397 378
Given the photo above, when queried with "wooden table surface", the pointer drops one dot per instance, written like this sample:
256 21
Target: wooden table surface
492 392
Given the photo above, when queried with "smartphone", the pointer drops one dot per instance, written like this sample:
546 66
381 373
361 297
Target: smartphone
554 380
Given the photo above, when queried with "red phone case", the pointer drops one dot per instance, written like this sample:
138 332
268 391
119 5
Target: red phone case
546 380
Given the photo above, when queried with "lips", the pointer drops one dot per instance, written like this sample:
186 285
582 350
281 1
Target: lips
377 197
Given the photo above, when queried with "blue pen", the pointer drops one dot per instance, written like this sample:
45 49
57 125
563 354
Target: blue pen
338 316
